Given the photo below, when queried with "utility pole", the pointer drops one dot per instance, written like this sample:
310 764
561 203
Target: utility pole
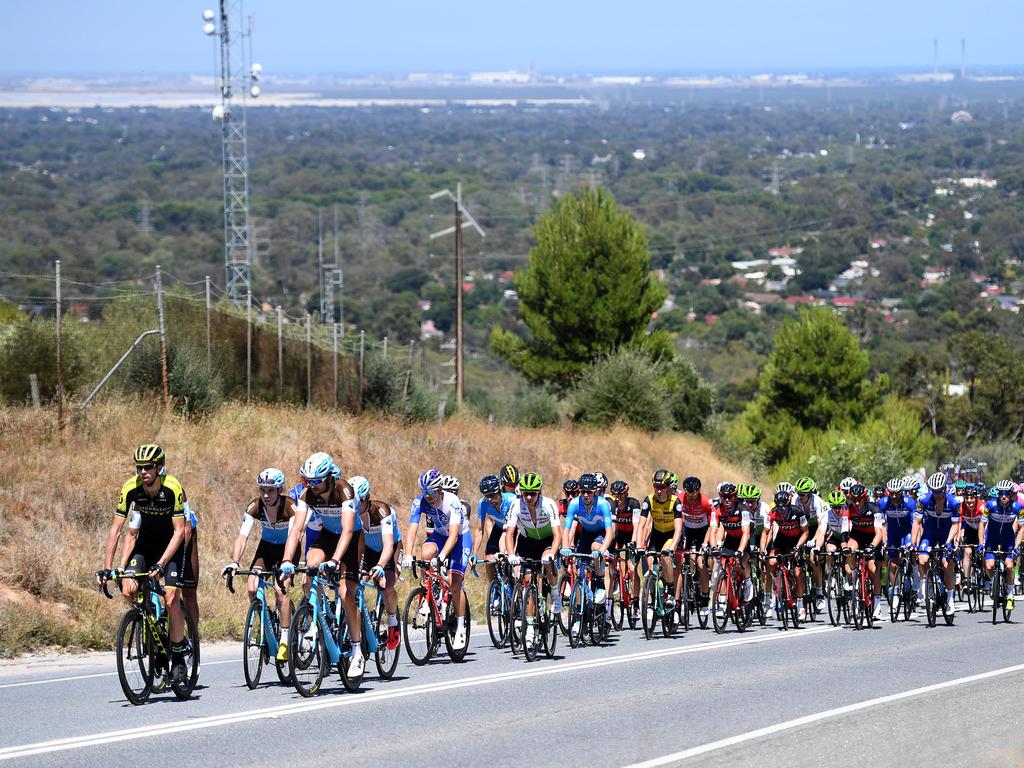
460 212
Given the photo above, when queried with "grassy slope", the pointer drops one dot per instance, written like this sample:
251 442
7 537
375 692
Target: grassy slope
57 493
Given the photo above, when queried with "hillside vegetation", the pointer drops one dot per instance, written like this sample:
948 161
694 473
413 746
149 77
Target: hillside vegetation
58 491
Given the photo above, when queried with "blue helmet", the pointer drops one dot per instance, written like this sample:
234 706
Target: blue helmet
271 477
335 471
431 480
360 487
489 485
317 467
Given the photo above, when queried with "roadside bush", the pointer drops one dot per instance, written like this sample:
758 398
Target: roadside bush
531 407
30 346
691 399
623 387
383 380
197 388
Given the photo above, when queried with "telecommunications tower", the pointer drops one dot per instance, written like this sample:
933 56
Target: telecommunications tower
236 79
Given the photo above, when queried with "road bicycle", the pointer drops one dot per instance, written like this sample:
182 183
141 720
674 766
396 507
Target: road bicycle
143 642
787 604
758 605
654 593
902 594
691 597
535 626
726 598
862 595
565 586
971 588
262 630
429 617
935 588
810 598
588 619
624 607
835 595
499 602
1002 599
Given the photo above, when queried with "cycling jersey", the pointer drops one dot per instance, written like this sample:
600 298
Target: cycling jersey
971 512
485 509
927 507
538 525
594 520
625 517
329 508
696 513
274 522
378 518
153 516
1002 518
864 520
733 522
448 513
790 519
814 509
663 514
835 520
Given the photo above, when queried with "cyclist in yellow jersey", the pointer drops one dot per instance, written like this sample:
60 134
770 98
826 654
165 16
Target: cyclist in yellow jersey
661 517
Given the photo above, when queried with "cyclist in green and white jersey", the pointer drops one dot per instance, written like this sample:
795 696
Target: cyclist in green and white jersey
533 518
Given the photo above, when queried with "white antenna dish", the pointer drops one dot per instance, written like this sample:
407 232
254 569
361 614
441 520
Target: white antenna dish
218 112
209 28
256 69
208 15
254 91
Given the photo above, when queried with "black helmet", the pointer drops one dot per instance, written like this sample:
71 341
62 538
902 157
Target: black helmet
489 485
661 479
620 487
691 484
570 486
509 475
589 482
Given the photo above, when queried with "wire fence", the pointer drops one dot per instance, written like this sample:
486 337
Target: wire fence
160 332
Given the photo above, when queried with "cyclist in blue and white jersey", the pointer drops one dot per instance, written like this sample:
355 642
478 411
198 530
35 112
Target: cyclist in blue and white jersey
492 513
449 543
590 516
382 543
1002 528
899 511
936 524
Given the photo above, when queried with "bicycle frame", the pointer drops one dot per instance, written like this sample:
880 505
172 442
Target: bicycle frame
321 606
270 639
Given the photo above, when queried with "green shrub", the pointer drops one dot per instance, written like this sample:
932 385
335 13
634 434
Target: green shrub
531 407
623 387
691 399
30 346
383 381
197 388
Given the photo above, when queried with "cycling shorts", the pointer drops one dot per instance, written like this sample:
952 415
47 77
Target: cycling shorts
970 537
585 540
863 538
327 541
895 532
733 543
271 554
934 532
190 563
998 538
372 556
783 545
693 537
533 549
141 560
659 540
458 558
494 539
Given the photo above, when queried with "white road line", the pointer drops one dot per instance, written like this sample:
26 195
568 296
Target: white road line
703 749
537 670
96 674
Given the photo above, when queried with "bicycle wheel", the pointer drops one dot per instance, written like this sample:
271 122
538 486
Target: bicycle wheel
497 611
564 588
867 600
418 629
948 606
856 599
183 689
254 650
832 599
719 602
649 604
971 591
307 652
685 595
930 597
548 622
515 633
384 658
456 654
283 671
134 657
896 601
577 606
997 590
630 606
909 591
531 629
1007 607
618 601
349 679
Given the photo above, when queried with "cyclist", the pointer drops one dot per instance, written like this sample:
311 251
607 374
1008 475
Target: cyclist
937 524
626 516
535 517
731 525
275 513
153 503
829 538
189 581
787 532
381 539
571 489
663 526
815 511
338 546
865 530
999 519
509 478
899 511
972 508
449 543
590 516
602 486
451 484
492 514
697 513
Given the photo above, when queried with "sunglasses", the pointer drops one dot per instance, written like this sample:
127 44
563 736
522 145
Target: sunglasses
530 494
316 482
144 467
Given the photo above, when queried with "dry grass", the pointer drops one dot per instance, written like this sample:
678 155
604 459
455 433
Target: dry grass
58 491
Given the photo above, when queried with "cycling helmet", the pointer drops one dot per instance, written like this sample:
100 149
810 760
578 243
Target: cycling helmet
570 486
509 475
938 481
450 483
271 477
960 485
727 489
837 499
805 485
149 454
317 467
588 482
431 480
490 485
335 471
674 481
691 484
847 483
784 487
602 481
895 485
911 483
620 487
749 491
971 491
878 491
661 479
1005 486
360 487
857 492
531 482
782 498
993 492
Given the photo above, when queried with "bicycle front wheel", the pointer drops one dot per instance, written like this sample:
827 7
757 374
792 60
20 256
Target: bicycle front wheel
577 603
649 604
530 622
135 657
719 601
307 652
183 688
456 653
548 622
386 659
497 613
253 642
418 628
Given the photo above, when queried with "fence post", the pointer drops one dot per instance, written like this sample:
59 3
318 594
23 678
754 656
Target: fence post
280 355
163 334
209 342
385 347
334 353
248 346
33 383
408 372
60 361
362 357
309 360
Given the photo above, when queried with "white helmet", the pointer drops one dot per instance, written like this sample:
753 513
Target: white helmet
938 481
450 483
317 467
360 487
847 483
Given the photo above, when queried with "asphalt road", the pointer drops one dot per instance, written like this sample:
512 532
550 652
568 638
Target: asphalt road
898 694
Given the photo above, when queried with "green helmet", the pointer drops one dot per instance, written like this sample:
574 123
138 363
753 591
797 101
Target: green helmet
674 482
805 485
749 491
961 484
837 498
149 454
531 482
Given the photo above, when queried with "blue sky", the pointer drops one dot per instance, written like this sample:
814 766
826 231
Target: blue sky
330 36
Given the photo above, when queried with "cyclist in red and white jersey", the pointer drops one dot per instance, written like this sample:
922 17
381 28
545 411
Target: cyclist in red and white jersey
697 513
